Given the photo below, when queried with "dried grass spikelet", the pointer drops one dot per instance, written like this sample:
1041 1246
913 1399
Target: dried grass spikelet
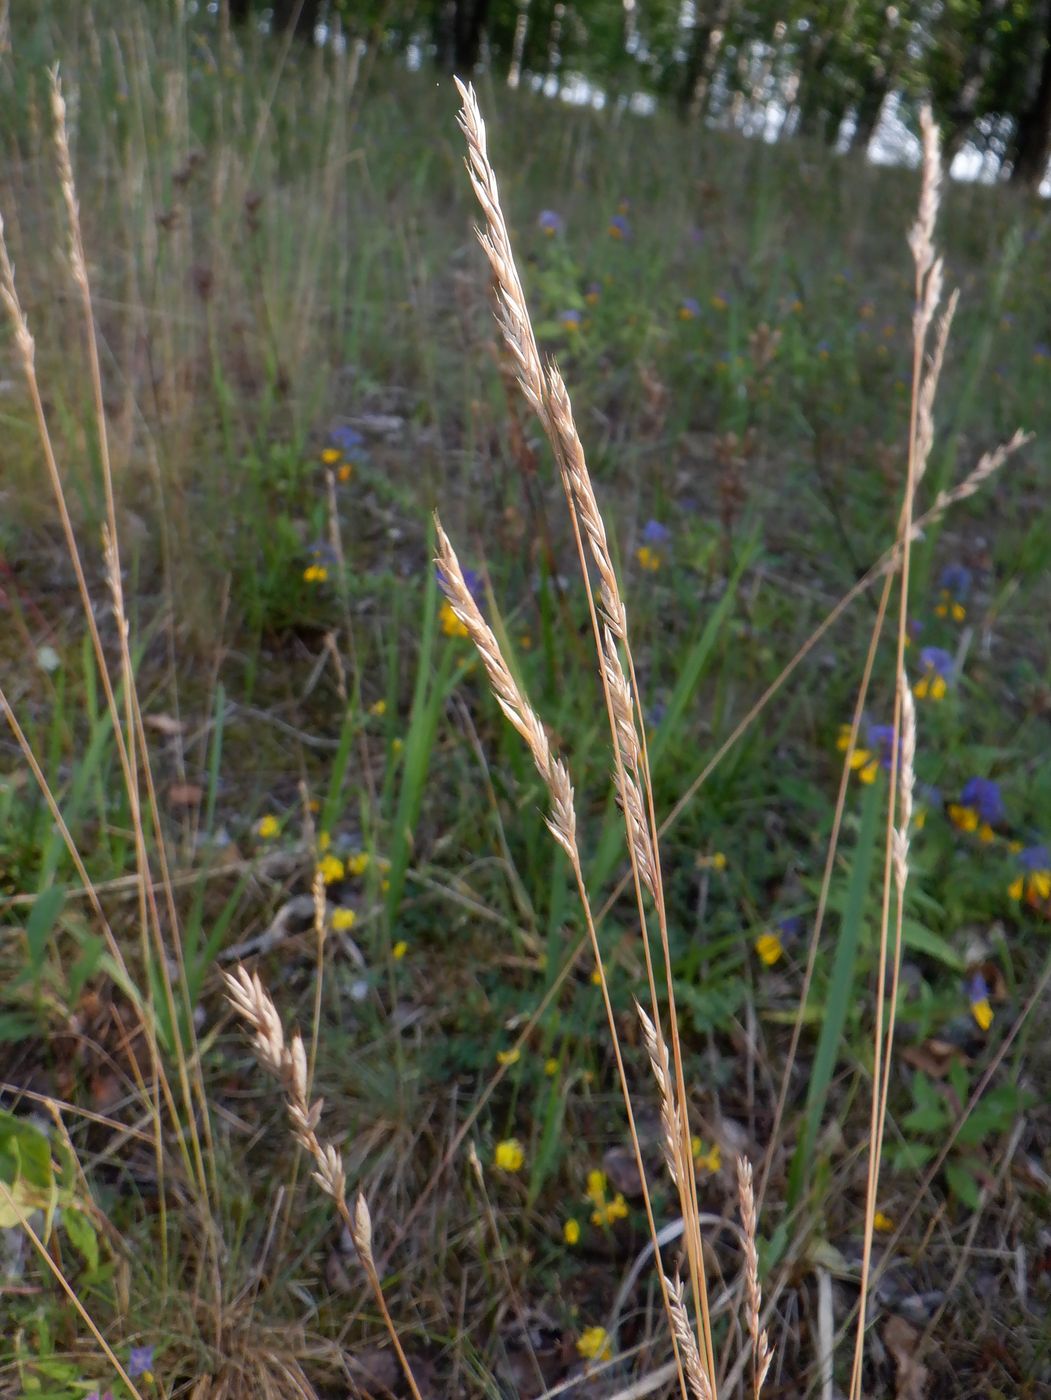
696 1376
288 1062
671 1126
562 822
929 389
921 235
65 176
513 316
762 1355
362 1228
986 466
570 454
907 782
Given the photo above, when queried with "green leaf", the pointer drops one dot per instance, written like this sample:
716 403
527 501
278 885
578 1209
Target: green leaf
929 1119
15 1027
25 1171
963 1184
46 909
82 1236
925 940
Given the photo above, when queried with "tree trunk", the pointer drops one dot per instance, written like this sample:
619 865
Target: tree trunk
706 41
301 16
461 24
961 115
1032 140
869 109
514 73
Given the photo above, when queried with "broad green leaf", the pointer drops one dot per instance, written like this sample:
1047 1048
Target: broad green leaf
46 908
82 1236
963 1185
925 940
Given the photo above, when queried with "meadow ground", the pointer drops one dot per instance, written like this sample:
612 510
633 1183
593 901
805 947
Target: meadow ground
298 362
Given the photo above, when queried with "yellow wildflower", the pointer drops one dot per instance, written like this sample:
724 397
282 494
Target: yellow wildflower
324 840
769 948
346 471
331 868
571 1231
508 1057
709 1161
596 1186
357 863
963 818
648 558
330 456
399 950
268 827
451 624
882 1223
315 573
342 919
550 1068
378 707
930 686
982 1013
594 1345
508 1156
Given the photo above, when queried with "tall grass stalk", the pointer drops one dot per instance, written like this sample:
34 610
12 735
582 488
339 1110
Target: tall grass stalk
929 279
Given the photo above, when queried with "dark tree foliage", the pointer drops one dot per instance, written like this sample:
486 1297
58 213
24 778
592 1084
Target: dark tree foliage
825 69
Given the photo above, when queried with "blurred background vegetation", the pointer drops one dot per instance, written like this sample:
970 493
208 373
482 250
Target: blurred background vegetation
829 72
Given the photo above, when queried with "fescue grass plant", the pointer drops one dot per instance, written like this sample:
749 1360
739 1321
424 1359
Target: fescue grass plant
633 1110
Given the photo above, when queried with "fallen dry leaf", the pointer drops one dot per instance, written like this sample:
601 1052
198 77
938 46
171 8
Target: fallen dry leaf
165 724
622 1171
185 794
901 1340
934 1057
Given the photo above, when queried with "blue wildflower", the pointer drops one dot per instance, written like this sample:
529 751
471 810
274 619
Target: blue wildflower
953 588
689 309
140 1363
569 319
1035 881
957 579
619 228
936 667
593 295
550 223
347 439
983 795
653 532
475 585
978 996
